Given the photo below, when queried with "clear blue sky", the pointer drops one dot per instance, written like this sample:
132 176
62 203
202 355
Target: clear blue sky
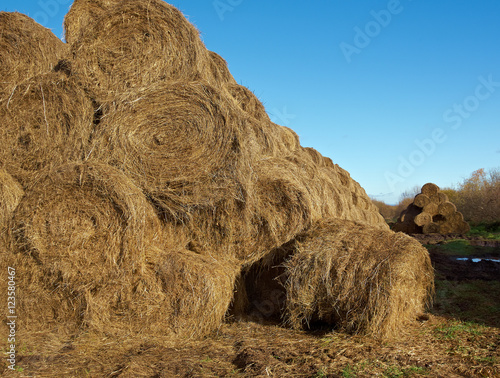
399 93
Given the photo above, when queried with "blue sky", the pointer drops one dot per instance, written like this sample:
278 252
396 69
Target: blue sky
398 93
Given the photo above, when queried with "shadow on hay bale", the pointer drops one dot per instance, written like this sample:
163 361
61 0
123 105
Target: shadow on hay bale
26 49
46 121
134 44
351 276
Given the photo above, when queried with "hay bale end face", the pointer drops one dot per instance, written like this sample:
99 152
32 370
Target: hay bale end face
431 213
179 142
83 226
82 14
135 44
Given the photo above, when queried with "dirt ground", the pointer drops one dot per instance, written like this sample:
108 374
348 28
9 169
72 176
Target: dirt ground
452 340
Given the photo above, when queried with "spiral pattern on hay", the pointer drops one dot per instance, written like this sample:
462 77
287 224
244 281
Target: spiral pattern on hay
135 44
178 142
83 231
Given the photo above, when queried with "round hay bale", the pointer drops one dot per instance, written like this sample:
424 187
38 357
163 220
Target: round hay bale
47 121
423 219
261 139
11 193
197 293
430 189
26 49
357 278
339 196
316 157
79 229
431 208
462 227
328 162
288 138
134 44
405 222
421 200
248 102
431 228
442 197
82 14
438 198
217 73
456 217
82 219
179 142
447 227
446 209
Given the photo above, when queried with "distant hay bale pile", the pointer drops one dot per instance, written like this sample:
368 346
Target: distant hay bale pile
26 49
140 185
431 213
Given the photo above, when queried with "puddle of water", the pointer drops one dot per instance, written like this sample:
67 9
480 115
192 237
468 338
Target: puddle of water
475 259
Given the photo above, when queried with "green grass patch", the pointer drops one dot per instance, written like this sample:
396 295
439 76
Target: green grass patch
457 329
459 247
349 372
475 301
486 230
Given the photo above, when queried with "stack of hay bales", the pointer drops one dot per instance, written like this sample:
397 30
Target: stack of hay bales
151 182
431 213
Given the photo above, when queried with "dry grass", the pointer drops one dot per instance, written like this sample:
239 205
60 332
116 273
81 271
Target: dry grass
136 43
358 278
248 102
26 49
82 238
82 14
152 182
11 193
47 120
178 141
218 73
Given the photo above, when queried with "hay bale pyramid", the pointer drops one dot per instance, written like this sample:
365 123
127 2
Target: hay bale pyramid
431 212
140 187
